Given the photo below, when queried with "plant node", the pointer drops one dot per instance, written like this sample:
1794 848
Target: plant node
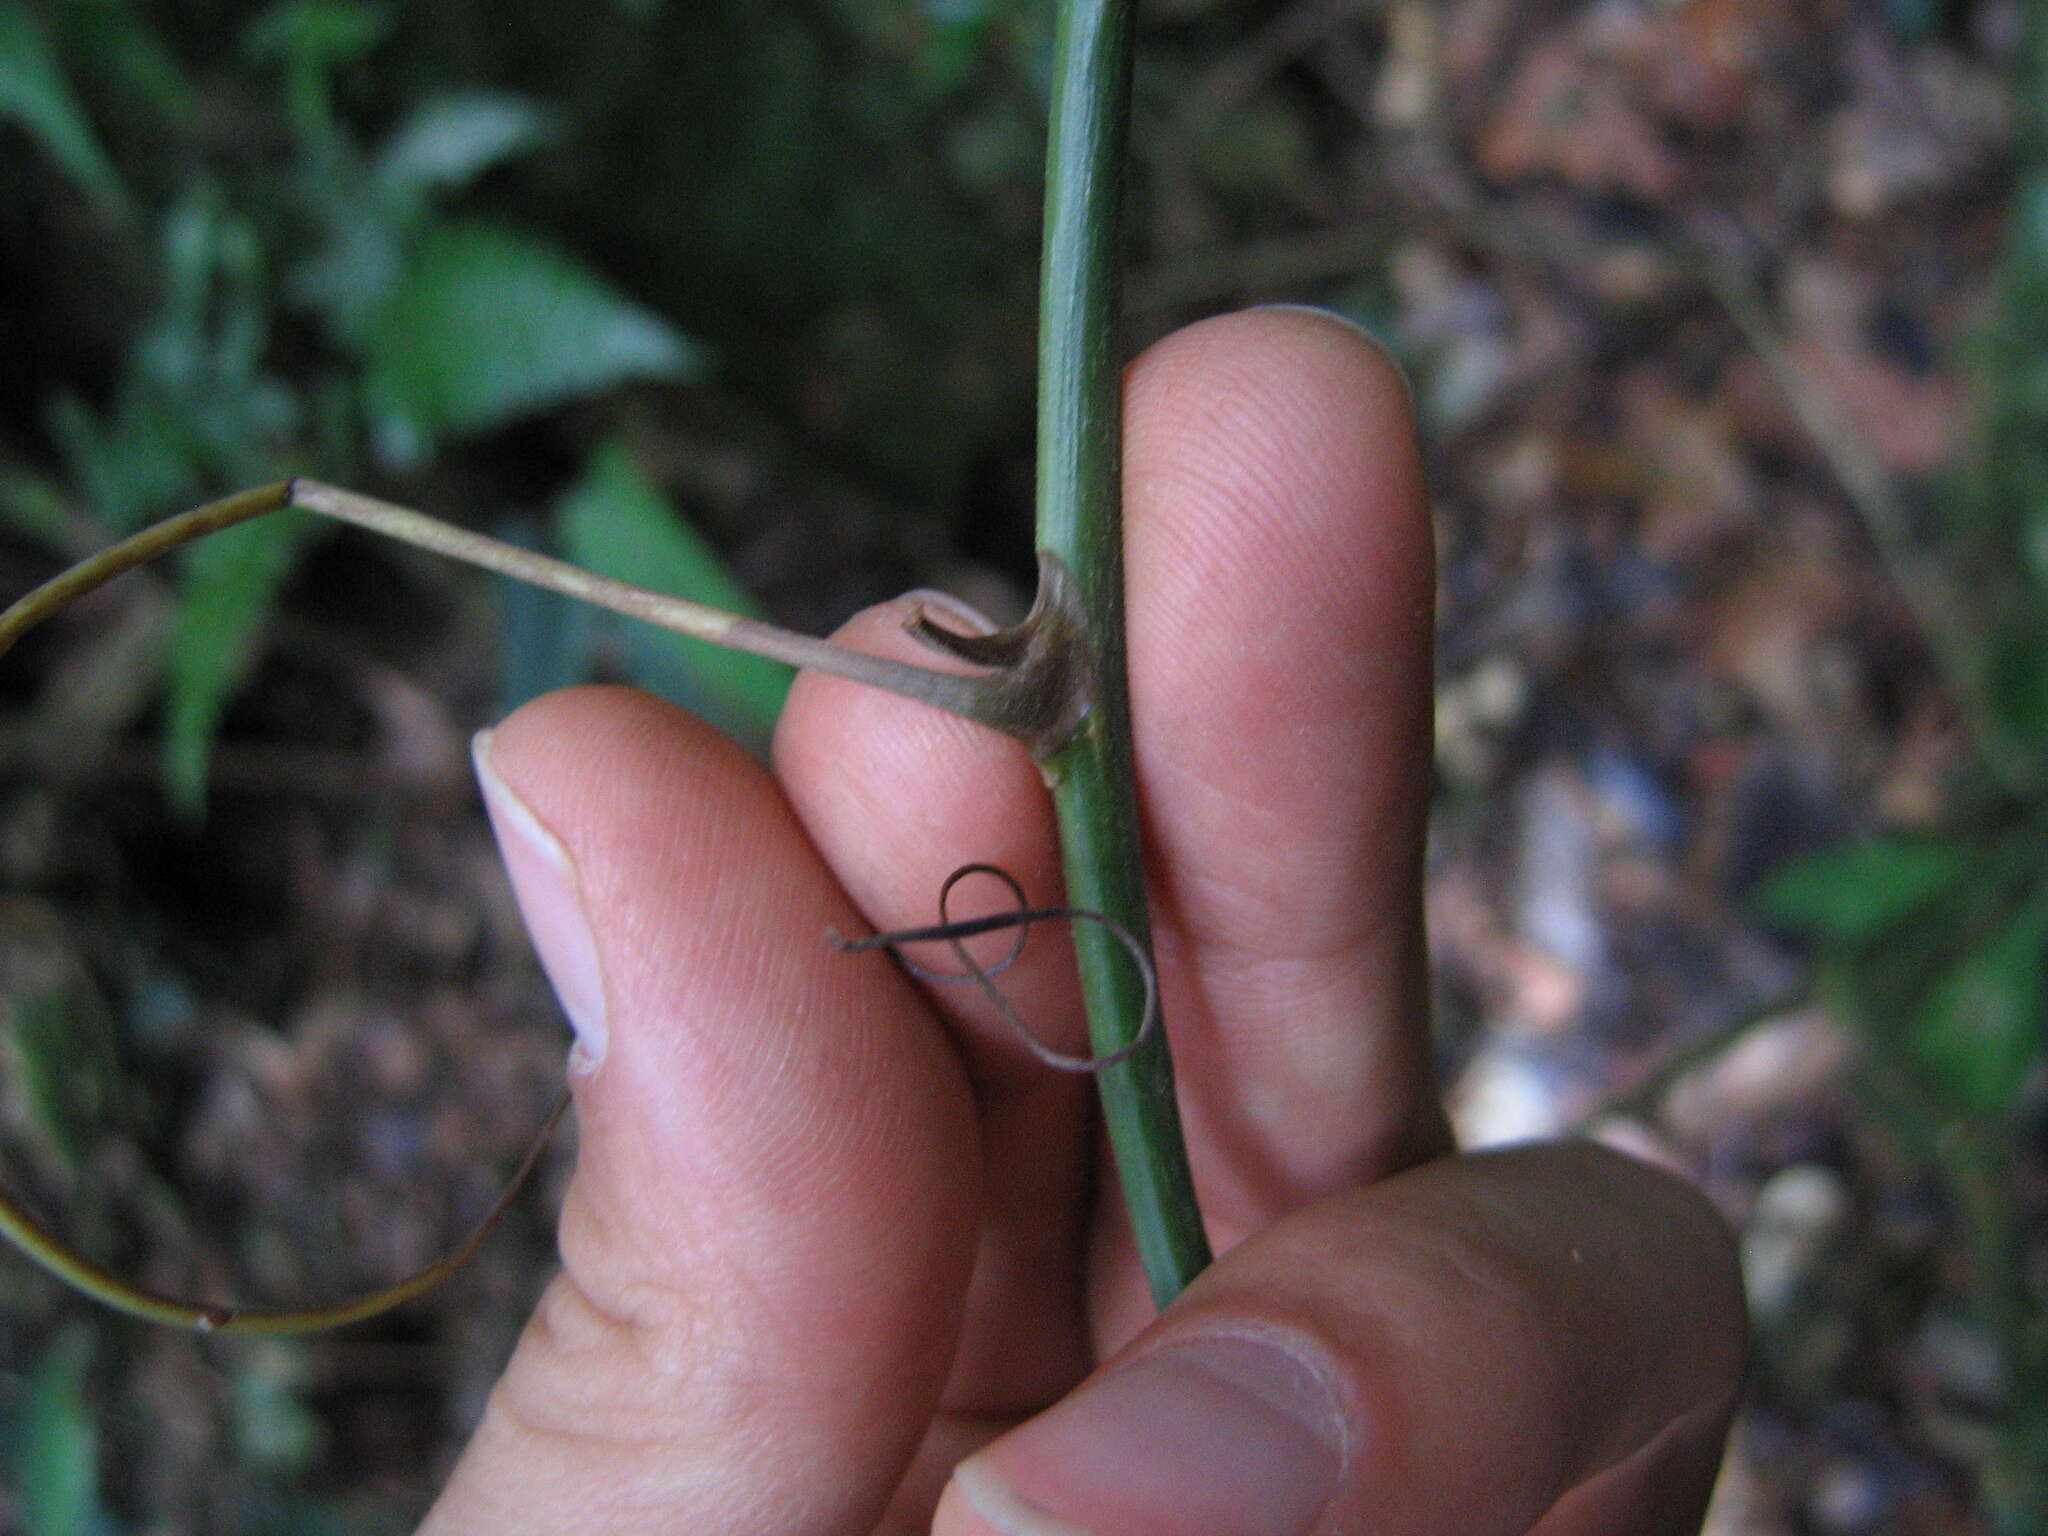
1042 684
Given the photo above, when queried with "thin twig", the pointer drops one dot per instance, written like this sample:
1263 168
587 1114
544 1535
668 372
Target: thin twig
102 1285
1038 698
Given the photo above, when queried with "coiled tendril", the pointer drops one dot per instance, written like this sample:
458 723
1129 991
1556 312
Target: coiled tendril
983 976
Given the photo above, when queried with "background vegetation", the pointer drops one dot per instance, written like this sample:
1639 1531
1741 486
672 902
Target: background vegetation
1729 327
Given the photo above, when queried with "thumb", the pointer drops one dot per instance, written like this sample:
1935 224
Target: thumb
1542 1342
766 1240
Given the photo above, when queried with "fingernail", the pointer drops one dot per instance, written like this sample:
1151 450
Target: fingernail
1227 1436
551 901
967 619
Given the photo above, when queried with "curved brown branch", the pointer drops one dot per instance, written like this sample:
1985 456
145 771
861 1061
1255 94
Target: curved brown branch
102 1285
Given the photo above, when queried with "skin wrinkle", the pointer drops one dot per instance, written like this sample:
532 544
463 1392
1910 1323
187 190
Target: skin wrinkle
1304 1082
1350 828
749 1398
1235 1158
553 1427
662 1319
535 1408
1241 1187
1245 910
1215 897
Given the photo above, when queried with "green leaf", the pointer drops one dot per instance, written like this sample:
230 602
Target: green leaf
1981 1029
55 1454
545 640
128 56
2018 681
225 596
70 1075
617 522
34 507
1917 21
486 326
141 458
318 34
35 94
276 1434
451 140
1856 891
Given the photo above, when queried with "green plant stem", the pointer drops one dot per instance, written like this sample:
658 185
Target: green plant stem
1080 524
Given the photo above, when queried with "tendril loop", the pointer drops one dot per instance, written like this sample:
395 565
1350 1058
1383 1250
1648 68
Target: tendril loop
956 933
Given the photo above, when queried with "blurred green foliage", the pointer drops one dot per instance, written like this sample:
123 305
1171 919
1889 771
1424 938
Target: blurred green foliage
615 521
52 1446
1936 945
1999 498
65 1056
35 94
419 325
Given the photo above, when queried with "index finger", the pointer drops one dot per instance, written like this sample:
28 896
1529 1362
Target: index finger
1281 602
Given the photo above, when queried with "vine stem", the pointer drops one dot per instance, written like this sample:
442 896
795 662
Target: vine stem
109 1289
1080 526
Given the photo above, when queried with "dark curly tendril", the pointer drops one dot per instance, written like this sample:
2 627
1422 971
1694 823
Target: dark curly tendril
948 931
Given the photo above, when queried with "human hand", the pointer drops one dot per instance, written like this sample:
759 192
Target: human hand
832 1231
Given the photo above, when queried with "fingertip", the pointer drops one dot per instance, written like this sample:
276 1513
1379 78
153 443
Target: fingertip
1277 447
1347 358
550 896
1285 410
